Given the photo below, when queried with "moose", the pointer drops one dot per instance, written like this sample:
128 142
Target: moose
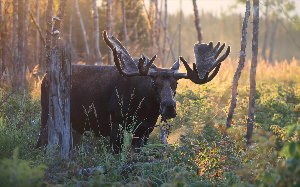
134 92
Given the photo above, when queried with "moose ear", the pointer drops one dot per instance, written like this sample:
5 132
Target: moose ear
176 65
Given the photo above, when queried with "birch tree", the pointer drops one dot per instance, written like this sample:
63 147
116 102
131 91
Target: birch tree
266 34
124 23
82 26
109 28
15 44
237 74
251 109
37 34
97 41
272 40
179 28
165 26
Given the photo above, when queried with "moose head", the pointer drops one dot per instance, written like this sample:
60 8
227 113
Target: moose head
164 81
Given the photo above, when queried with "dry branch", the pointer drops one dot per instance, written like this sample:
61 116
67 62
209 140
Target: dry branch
42 37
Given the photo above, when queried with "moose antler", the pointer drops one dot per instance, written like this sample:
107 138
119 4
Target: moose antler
206 60
127 66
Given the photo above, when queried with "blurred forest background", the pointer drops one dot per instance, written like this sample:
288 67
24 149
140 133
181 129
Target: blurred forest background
148 28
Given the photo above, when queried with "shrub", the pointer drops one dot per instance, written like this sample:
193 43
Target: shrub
17 172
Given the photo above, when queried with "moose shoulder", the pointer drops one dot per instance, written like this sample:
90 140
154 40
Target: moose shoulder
134 92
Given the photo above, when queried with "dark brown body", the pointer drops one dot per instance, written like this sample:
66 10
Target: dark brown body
102 100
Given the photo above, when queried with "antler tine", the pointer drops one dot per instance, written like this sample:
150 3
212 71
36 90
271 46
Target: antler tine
105 37
219 50
216 47
186 65
192 74
150 62
117 58
214 73
117 62
222 58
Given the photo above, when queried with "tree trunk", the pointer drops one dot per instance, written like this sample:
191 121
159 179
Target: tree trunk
272 40
124 23
265 39
59 126
251 109
15 45
59 129
20 63
157 28
4 38
85 38
197 21
1 42
97 41
37 34
48 39
237 74
71 24
179 35
109 29
165 34
25 43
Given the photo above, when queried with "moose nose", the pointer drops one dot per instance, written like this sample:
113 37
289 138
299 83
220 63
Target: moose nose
168 110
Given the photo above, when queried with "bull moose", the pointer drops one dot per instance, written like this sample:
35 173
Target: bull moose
106 99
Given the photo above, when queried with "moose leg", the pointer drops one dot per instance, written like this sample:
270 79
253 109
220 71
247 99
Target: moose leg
43 136
141 136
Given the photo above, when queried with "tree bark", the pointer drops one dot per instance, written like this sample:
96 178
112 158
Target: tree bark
251 109
48 39
179 35
97 41
71 24
25 43
109 28
157 28
59 128
265 39
20 63
272 40
85 38
237 74
197 21
165 34
15 38
124 23
58 123
37 34
4 37
1 42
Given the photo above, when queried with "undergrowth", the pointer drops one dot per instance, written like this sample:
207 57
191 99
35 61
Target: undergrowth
198 154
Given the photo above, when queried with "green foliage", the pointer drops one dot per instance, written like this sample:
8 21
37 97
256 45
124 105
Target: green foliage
19 125
201 156
20 173
276 105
